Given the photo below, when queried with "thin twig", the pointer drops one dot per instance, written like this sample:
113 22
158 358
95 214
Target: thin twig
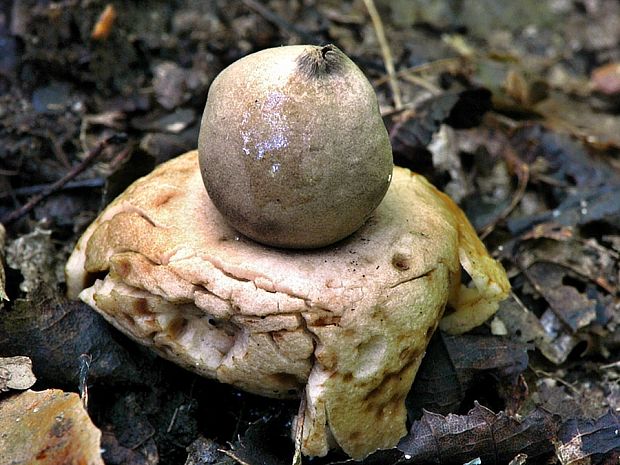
571 387
519 302
38 188
280 22
173 419
3 295
610 365
409 106
84 362
443 63
385 51
233 456
299 429
424 83
75 171
178 409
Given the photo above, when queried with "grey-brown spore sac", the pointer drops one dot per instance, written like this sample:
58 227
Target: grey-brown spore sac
293 150
319 62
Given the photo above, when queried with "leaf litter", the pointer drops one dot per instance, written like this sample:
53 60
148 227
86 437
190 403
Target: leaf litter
514 122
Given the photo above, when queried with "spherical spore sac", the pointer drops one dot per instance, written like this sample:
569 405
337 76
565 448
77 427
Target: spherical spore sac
293 150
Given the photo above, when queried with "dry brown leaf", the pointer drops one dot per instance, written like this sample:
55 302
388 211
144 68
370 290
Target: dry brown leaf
590 441
494 438
606 78
575 309
48 428
33 255
455 365
54 333
545 332
103 27
565 114
16 373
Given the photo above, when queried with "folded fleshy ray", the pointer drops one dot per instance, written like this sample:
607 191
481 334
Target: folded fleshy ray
346 326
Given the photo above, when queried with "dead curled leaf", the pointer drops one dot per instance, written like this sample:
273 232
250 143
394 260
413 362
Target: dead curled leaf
545 332
590 441
455 364
566 276
587 187
412 130
494 438
606 79
103 26
572 307
32 254
53 333
48 428
565 114
574 279
585 258
16 373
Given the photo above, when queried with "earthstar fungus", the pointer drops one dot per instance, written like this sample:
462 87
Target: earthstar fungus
345 325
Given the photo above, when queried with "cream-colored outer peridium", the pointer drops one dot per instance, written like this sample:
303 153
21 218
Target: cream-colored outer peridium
346 326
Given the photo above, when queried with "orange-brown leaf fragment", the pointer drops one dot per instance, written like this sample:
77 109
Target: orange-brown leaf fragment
47 428
606 78
103 26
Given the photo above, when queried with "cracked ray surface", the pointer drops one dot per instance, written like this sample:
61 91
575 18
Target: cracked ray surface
345 326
